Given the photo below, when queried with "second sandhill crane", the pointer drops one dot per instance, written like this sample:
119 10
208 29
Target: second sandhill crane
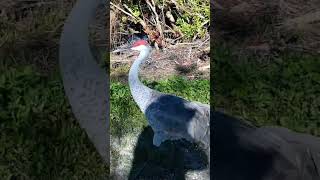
85 83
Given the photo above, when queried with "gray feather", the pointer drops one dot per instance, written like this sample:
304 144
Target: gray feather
85 83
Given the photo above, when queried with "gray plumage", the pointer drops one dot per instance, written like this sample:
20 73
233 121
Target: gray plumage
245 152
170 117
85 83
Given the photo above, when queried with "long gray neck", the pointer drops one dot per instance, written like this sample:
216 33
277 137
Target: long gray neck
141 94
85 83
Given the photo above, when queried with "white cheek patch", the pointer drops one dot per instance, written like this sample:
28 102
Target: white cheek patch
138 48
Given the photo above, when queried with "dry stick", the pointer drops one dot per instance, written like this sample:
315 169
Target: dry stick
178 38
181 7
177 6
186 43
121 33
128 9
190 52
206 22
131 15
162 11
203 43
153 8
144 19
120 60
141 21
195 43
122 10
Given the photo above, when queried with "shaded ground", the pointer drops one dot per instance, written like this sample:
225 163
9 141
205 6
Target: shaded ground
138 158
268 27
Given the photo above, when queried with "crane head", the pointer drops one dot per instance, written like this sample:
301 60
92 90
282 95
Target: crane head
138 45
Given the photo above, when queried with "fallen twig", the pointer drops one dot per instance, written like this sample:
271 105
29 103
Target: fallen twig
122 10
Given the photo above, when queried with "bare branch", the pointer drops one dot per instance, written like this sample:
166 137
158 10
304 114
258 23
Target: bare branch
130 13
122 10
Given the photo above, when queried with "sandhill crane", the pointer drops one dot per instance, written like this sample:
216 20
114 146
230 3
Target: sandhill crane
244 152
85 83
240 151
170 117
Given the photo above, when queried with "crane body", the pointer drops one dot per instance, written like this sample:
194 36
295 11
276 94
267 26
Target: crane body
171 117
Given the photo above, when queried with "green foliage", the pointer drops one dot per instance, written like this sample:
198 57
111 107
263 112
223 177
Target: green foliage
192 17
284 91
126 116
39 137
196 14
135 10
193 90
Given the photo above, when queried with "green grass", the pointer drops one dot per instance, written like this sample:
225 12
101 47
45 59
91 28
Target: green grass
39 137
33 36
282 91
125 114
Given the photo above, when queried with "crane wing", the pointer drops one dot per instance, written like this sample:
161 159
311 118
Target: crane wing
172 118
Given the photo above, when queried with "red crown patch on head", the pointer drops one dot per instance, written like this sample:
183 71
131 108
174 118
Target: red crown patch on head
139 42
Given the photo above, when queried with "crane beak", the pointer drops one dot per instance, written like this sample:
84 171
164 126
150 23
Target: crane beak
122 49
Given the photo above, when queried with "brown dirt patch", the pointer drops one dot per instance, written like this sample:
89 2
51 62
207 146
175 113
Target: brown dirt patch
187 59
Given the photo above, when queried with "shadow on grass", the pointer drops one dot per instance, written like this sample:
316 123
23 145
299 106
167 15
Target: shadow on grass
169 161
237 152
